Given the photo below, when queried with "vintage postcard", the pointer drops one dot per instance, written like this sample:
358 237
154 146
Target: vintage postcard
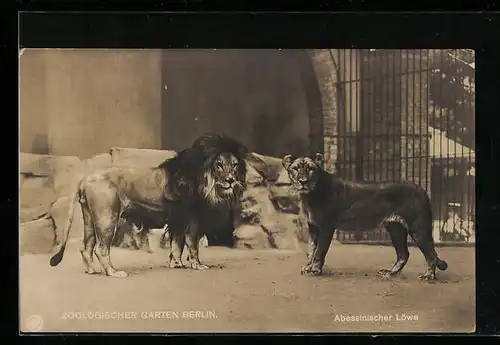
190 190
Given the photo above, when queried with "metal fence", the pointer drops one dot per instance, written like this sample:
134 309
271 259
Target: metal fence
409 115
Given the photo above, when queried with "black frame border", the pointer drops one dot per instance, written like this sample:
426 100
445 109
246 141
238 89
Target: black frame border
308 30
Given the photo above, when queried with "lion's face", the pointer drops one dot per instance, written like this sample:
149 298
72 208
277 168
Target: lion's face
224 179
303 172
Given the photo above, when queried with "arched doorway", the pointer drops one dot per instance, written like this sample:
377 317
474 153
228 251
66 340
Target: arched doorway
256 96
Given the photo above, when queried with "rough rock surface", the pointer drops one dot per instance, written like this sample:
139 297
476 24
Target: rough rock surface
36 237
282 229
253 178
101 161
45 165
43 178
268 167
32 213
259 213
121 156
283 199
36 195
251 237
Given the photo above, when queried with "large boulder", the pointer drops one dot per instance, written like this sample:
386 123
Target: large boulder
282 195
36 196
251 237
283 230
36 237
45 165
268 167
101 161
262 225
284 199
253 177
28 214
43 179
282 178
121 156
61 169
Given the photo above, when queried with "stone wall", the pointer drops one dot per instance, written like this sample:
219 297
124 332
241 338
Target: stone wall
325 63
81 102
32 102
99 98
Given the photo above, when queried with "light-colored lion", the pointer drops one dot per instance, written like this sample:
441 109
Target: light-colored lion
178 192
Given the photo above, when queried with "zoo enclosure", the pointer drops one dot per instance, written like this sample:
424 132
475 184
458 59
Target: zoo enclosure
410 115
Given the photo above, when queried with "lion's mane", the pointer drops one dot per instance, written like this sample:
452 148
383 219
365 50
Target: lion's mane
190 171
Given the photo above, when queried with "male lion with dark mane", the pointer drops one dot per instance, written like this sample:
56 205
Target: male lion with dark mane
211 173
327 202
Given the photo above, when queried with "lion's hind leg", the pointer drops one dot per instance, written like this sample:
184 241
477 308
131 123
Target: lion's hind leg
140 235
177 241
399 238
89 241
105 233
193 236
105 223
422 236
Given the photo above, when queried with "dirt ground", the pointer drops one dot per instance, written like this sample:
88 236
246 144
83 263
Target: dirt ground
248 291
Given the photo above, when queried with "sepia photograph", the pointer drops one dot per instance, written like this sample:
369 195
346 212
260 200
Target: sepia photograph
247 190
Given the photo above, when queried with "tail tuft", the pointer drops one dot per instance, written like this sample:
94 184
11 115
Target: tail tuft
442 265
56 259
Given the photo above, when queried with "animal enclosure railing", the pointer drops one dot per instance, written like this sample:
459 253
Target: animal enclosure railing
410 115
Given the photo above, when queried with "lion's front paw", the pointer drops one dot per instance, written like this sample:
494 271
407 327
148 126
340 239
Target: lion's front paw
427 276
176 264
305 268
92 270
117 274
384 273
311 270
196 265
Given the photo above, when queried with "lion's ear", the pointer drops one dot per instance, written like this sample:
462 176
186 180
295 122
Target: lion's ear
319 159
287 161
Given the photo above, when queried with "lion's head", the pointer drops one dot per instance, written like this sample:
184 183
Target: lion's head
213 169
303 171
223 178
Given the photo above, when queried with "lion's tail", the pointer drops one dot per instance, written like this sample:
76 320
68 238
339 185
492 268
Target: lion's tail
441 264
58 256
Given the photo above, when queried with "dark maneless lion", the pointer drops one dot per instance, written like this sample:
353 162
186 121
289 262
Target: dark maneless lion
328 202
209 174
